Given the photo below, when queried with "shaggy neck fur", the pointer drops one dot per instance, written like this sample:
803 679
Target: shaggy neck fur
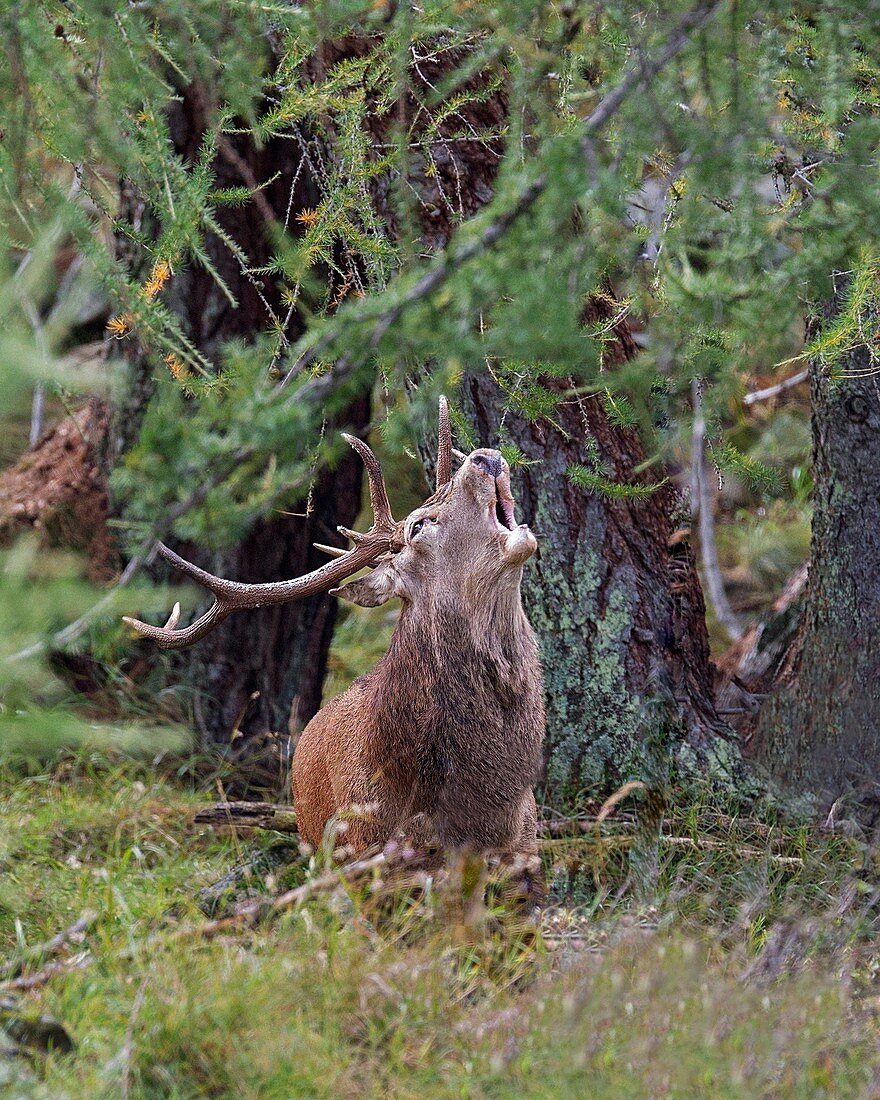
458 696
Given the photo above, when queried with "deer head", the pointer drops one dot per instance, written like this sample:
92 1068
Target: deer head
460 544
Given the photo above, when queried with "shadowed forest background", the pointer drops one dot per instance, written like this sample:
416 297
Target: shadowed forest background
637 248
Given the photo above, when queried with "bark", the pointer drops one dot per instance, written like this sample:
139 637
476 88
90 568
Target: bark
821 732
615 600
246 674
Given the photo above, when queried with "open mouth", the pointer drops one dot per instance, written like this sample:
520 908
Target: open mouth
504 515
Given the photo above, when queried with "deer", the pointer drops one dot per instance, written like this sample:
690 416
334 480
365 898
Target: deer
441 742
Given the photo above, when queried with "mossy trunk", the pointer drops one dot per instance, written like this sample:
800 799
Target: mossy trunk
820 732
245 675
615 600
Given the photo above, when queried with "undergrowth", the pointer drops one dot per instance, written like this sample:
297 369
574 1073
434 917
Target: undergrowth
746 968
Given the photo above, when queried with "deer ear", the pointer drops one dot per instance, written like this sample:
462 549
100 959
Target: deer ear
376 588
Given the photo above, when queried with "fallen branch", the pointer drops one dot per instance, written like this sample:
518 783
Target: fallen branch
565 843
263 862
40 977
575 826
701 844
708 844
249 815
249 912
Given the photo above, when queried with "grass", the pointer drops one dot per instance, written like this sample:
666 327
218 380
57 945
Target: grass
746 970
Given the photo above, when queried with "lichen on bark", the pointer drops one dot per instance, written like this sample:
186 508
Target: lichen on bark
616 604
589 704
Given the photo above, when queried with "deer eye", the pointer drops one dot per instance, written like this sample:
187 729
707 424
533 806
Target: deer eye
419 524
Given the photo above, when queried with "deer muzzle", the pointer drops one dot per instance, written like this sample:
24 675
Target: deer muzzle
519 544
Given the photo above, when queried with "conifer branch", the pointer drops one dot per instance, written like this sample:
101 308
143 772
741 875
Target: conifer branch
450 260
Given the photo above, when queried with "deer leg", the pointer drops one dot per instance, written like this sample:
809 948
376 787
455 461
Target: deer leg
520 865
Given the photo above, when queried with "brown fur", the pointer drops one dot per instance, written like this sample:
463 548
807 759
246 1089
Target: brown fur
442 740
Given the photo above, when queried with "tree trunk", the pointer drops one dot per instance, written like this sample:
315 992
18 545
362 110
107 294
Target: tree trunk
821 731
615 600
263 669
246 674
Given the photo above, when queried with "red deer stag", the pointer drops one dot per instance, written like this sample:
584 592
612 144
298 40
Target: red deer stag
442 740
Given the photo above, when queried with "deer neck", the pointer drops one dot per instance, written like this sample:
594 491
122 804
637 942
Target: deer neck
486 635
459 694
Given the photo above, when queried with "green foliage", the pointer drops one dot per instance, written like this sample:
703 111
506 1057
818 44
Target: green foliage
853 327
761 477
739 185
593 481
717 199
40 594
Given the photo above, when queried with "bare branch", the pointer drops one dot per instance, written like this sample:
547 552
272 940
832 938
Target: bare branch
775 391
40 952
706 519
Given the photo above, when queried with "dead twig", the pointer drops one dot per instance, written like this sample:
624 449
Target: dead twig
708 844
574 826
625 840
40 952
774 391
249 912
40 977
618 797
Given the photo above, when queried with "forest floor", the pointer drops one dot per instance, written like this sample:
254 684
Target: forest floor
746 969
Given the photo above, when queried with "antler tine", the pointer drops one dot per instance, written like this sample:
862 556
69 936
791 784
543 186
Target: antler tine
167 637
333 551
382 517
232 596
444 445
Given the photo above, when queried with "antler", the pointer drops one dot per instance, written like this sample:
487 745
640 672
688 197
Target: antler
444 445
232 596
